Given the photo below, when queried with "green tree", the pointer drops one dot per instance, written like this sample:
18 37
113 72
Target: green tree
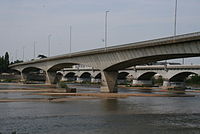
4 63
6 60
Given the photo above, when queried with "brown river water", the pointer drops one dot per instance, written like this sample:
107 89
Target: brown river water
132 115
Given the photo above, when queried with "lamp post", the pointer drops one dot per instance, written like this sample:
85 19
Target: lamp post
49 43
106 28
70 39
34 43
175 17
23 53
175 23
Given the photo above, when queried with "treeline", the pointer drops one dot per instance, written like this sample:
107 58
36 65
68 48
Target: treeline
194 80
4 63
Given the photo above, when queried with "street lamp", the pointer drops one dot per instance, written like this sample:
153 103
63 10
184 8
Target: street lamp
175 17
23 53
106 28
34 49
175 23
49 37
70 39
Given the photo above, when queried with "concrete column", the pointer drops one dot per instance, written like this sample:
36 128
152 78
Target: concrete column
50 77
93 80
79 80
108 82
64 79
23 77
142 82
177 84
166 83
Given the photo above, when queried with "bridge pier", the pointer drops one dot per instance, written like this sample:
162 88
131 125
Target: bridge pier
142 82
175 84
109 81
23 77
166 83
93 80
50 77
79 80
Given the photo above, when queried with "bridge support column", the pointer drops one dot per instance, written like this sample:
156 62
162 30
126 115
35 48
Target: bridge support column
79 80
142 83
166 83
50 77
108 81
23 77
93 80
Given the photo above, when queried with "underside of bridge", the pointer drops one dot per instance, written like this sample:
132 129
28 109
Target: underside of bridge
117 58
181 77
32 74
145 60
70 76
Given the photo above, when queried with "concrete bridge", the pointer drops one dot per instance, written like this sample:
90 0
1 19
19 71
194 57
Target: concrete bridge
111 59
173 75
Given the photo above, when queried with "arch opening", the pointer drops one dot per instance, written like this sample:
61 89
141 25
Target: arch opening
146 76
58 77
71 76
98 76
181 77
33 75
86 77
122 78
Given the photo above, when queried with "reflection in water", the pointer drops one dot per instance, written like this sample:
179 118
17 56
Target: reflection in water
110 105
145 90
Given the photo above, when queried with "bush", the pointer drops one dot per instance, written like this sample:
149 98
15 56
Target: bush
63 85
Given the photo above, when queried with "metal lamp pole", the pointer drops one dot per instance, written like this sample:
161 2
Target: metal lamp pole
106 28
70 39
34 49
49 43
175 17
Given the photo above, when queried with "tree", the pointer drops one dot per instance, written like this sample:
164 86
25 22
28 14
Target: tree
42 56
4 63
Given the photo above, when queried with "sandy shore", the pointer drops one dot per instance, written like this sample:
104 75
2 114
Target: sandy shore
113 95
59 95
44 99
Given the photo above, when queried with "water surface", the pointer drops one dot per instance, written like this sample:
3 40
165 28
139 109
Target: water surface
137 115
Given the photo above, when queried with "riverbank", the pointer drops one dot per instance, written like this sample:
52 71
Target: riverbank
48 93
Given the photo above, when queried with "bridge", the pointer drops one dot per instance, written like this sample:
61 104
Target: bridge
111 59
173 75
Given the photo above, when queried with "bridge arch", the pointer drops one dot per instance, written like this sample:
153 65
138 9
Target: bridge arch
180 77
33 74
130 61
71 76
146 76
16 72
58 77
86 76
122 75
60 66
98 76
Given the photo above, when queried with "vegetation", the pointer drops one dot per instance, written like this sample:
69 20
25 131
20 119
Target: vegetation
62 85
158 81
194 80
4 63
42 56
17 61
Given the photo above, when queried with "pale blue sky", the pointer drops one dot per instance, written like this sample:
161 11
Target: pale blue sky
24 21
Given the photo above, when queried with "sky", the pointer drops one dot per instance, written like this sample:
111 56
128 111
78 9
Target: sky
23 22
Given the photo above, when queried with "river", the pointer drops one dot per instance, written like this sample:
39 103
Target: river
135 115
